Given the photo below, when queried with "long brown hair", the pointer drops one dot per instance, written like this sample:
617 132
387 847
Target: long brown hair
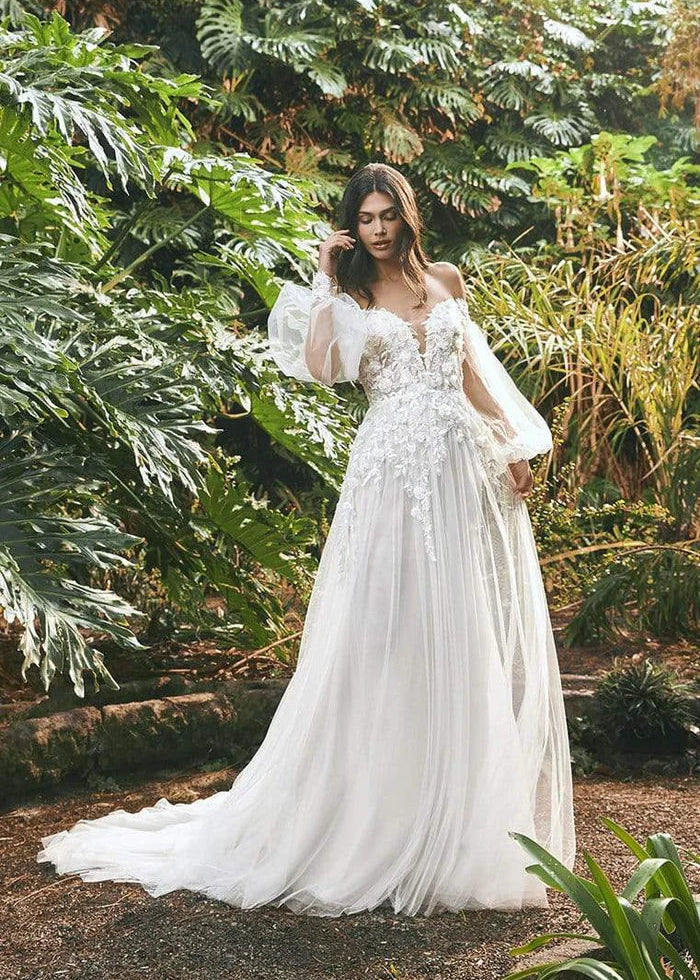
355 269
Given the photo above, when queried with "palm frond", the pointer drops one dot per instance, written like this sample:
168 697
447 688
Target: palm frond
393 55
569 35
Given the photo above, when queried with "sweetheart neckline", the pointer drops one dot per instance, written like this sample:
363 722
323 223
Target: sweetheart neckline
397 316
422 354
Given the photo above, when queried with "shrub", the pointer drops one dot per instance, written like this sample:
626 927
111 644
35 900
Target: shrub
641 703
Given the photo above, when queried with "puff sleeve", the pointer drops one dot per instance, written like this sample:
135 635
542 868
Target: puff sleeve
316 334
518 429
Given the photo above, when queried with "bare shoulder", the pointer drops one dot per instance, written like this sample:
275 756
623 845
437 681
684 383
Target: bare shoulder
450 276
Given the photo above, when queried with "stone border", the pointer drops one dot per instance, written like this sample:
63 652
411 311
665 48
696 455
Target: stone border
41 752
41 747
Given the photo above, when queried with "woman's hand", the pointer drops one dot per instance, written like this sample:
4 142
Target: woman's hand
522 477
328 251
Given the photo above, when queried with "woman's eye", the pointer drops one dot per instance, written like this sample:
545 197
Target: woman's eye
387 217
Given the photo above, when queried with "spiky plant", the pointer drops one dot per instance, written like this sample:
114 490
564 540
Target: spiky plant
641 701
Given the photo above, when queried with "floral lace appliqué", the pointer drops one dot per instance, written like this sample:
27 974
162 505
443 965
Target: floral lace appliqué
416 400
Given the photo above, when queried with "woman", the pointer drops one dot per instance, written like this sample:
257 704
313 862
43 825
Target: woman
425 718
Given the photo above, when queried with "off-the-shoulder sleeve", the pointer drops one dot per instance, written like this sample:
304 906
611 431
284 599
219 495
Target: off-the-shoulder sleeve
316 334
518 429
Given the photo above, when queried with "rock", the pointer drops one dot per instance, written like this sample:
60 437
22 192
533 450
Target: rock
13 710
578 703
255 703
145 689
40 752
165 731
204 726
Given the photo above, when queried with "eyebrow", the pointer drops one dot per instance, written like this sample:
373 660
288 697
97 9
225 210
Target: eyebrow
370 213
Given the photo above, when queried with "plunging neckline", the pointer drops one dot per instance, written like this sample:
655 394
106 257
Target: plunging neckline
424 323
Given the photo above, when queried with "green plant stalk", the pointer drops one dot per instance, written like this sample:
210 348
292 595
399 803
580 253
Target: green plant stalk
126 228
139 260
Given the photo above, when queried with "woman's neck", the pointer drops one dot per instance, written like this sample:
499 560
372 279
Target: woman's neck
389 270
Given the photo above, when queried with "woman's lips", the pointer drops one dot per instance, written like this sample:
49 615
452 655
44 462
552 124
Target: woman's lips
382 245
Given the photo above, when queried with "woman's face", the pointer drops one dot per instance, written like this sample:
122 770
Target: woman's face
379 225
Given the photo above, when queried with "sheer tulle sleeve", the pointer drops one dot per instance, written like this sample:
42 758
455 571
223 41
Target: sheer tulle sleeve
316 334
518 429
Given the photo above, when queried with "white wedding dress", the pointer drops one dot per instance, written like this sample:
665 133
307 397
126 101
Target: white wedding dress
425 719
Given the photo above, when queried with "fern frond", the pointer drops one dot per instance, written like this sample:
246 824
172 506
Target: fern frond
512 84
223 38
329 77
559 128
442 51
456 103
395 138
288 44
239 105
512 143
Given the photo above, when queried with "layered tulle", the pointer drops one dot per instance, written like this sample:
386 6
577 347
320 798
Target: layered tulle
425 719
423 723
316 335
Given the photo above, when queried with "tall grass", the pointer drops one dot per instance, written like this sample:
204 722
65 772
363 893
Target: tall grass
607 346
618 334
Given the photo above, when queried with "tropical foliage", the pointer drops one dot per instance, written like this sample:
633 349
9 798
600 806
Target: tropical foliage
452 92
657 938
641 702
614 344
107 451
147 215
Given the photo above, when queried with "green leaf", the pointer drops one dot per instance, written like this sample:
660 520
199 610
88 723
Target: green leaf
271 537
626 948
547 938
329 77
594 969
576 889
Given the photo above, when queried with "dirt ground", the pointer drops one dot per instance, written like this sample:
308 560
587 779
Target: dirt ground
62 928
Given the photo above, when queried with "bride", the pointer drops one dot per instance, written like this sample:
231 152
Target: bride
425 720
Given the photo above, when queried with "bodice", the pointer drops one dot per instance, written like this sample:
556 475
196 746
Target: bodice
416 403
392 360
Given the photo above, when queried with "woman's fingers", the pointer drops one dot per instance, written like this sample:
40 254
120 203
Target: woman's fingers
521 476
339 240
335 242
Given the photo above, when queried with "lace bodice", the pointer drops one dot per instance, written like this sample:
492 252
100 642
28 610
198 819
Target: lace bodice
415 398
416 393
392 358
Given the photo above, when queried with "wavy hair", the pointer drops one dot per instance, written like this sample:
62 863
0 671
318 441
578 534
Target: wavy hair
356 268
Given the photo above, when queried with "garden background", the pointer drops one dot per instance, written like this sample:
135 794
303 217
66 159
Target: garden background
165 493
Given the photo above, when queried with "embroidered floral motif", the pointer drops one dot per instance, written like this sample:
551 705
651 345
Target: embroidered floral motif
323 285
416 404
414 380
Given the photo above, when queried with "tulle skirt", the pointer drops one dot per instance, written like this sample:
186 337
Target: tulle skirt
424 722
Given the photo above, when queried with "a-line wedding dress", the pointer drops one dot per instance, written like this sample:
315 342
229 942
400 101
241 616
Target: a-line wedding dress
425 718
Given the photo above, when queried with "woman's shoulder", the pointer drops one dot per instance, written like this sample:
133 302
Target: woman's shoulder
450 276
